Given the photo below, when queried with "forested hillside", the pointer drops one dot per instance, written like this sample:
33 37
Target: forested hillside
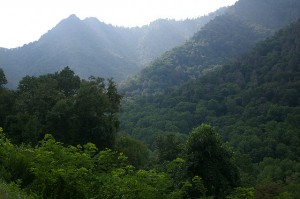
253 103
92 47
219 41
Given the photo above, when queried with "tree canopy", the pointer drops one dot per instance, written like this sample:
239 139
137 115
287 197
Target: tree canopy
212 160
74 111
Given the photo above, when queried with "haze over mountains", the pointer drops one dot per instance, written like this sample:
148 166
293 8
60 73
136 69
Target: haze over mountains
90 47
224 38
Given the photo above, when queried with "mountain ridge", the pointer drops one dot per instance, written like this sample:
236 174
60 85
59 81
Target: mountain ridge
91 47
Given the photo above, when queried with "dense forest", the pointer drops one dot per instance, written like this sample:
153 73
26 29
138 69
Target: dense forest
82 157
253 103
215 118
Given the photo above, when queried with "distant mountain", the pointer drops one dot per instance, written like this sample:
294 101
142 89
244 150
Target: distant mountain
91 47
219 41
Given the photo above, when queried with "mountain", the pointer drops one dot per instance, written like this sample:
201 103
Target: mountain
253 102
219 41
90 47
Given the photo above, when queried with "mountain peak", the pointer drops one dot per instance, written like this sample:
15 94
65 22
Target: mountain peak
73 17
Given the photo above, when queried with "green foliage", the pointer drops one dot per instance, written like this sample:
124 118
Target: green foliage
14 161
169 146
268 190
194 189
176 169
242 192
76 172
136 151
59 171
13 191
277 170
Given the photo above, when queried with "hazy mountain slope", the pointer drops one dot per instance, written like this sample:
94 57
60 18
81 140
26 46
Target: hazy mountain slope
221 40
268 13
160 35
91 47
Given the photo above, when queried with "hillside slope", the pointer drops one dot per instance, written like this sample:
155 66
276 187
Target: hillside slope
253 102
275 65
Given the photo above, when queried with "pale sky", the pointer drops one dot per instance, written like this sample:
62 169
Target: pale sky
24 21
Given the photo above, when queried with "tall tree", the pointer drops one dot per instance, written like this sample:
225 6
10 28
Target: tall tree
7 98
3 80
95 113
68 82
212 160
